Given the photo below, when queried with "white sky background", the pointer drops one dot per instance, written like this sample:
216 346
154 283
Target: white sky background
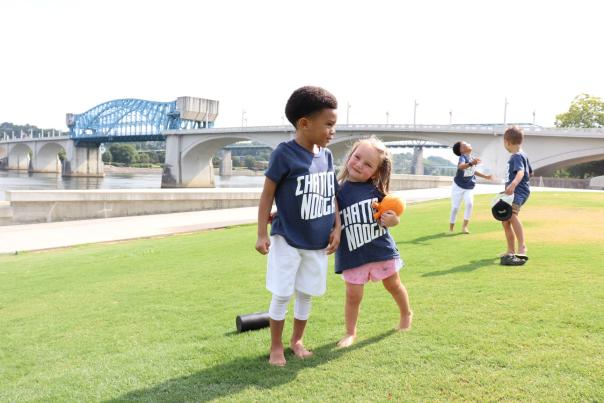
379 56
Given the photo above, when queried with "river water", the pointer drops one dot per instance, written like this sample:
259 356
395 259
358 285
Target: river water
16 180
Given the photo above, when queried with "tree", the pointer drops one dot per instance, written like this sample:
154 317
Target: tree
585 111
588 112
107 157
123 153
250 161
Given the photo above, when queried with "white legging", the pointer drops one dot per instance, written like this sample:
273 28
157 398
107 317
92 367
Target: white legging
457 194
278 307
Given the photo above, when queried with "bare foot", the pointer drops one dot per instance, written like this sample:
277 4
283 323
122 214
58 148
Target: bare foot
346 341
405 323
522 251
300 351
465 230
277 357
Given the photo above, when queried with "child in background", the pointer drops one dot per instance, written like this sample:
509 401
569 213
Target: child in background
367 251
517 183
300 178
463 184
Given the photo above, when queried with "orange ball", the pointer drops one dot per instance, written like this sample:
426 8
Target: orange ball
389 202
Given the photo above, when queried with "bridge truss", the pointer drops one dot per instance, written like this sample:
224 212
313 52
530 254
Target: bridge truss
127 120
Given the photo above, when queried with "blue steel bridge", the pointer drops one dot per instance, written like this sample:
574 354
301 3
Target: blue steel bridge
128 120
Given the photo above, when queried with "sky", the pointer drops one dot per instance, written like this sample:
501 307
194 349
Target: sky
459 60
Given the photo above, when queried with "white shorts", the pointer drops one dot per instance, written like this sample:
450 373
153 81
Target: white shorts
292 269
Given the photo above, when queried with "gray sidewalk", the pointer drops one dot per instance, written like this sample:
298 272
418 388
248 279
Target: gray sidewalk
29 237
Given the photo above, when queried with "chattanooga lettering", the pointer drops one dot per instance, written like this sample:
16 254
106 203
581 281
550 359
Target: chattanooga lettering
359 224
318 193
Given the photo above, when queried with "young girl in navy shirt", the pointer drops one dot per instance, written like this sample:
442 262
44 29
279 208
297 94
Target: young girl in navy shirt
367 251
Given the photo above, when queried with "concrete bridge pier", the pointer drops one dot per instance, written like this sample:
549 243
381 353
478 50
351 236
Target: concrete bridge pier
19 158
185 167
45 158
418 161
226 164
3 156
84 160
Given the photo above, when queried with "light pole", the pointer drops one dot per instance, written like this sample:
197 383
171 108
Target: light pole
505 113
243 119
450 116
347 112
415 104
387 117
534 116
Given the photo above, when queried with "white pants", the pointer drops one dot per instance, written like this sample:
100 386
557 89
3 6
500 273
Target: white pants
457 194
296 269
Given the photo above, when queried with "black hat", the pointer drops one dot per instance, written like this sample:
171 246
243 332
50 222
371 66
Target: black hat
502 207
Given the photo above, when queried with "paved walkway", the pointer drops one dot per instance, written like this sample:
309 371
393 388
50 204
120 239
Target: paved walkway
30 237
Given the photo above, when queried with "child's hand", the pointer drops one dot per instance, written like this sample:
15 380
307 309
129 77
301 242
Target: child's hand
389 219
510 189
476 161
489 177
334 240
263 244
272 216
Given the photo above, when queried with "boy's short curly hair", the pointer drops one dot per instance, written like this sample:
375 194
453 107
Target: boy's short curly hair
307 100
457 148
514 135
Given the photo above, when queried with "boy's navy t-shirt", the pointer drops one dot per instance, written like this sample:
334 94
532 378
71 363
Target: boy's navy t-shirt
519 162
465 178
362 240
305 195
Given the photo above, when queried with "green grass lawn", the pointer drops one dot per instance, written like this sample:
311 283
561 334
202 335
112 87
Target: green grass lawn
154 319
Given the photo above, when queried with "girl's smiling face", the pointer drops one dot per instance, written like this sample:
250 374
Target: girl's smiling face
363 163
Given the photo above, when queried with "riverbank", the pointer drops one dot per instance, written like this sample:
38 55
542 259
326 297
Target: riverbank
132 170
158 170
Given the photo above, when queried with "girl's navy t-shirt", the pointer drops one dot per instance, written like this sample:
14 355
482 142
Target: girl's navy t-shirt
362 240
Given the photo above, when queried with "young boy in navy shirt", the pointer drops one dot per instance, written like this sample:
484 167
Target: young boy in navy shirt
464 183
300 179
517 183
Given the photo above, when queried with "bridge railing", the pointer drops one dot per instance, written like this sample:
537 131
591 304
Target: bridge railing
32 134
469 128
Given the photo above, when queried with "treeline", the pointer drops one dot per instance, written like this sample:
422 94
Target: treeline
8 127
126 154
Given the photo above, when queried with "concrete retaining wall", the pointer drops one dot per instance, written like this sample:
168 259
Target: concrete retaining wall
32 206
404 182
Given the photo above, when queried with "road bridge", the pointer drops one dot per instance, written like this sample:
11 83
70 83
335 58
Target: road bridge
189 151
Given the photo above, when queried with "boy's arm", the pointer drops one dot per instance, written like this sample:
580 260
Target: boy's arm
489 177
466 165
264 211
336 232
509 190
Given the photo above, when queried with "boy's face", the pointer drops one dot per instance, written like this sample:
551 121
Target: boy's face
507 145
320 128
465 148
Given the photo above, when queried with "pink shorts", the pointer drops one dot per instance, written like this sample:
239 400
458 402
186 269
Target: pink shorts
375 271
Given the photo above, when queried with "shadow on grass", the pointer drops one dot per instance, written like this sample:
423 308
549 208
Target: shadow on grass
474 265
235 376
423 239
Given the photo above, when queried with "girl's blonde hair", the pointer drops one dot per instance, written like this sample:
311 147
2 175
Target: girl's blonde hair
382 175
